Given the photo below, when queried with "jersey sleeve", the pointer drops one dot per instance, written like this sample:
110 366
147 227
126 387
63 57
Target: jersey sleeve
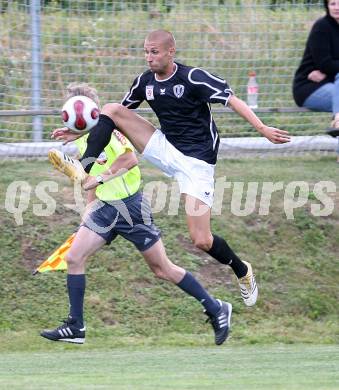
209 88
135 96
120 144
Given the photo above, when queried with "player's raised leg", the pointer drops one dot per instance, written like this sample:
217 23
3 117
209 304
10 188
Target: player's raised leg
85 243
198 216
113 115
219 312
136 128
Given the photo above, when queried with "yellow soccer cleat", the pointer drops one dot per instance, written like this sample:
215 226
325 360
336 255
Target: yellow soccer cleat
248 287
67 165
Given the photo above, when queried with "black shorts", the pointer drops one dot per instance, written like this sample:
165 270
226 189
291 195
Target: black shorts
130 218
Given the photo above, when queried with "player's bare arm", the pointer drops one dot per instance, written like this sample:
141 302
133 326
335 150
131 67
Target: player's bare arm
65 134
121 165
274 135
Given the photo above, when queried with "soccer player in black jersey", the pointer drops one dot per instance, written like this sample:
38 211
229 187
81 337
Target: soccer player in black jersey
115 206
185 146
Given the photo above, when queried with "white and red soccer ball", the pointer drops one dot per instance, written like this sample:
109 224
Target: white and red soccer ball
80 114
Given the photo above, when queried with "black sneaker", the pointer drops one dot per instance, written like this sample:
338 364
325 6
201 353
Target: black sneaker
68 332
221 322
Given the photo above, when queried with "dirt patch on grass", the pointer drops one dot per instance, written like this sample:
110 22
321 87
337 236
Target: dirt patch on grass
31 256
63 217
211 272
65 213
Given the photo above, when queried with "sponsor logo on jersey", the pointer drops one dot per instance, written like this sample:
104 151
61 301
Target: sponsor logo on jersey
178 90
162 91
149 92
120 136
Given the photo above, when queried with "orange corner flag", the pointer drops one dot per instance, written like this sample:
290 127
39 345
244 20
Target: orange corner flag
56 261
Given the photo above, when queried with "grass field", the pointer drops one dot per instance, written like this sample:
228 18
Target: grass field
142 333
261 367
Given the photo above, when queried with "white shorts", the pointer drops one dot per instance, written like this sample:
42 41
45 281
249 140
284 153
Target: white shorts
195 177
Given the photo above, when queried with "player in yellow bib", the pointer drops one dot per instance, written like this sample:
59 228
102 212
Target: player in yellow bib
122 186
117 207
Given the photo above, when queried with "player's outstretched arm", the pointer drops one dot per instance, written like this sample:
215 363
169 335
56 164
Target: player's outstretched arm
274 135
65 134
121 165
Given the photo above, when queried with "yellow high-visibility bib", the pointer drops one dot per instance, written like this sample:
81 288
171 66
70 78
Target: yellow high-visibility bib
119 187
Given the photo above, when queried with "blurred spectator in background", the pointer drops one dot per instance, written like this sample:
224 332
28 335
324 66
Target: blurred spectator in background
316 81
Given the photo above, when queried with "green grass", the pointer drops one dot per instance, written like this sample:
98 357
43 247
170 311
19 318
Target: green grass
143 333
233 368
294 261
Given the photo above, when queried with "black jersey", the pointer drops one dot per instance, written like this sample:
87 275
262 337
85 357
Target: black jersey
182 105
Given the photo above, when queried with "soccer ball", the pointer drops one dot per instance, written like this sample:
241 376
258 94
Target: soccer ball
80 114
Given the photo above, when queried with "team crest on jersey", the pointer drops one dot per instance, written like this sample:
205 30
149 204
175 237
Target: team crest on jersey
120 136
149 92
178 90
